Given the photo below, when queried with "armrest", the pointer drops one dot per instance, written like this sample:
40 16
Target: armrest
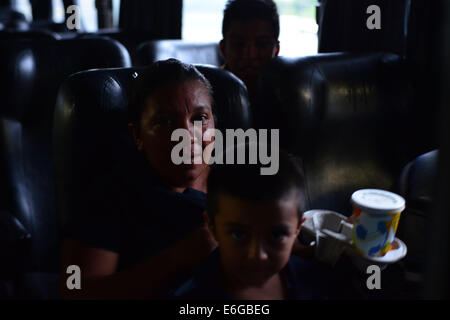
14 244
11 230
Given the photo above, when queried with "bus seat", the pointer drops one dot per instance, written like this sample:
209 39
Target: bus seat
418 185
188 52
13 19
232 107
131 39
8 34
345 115
91 134
31 73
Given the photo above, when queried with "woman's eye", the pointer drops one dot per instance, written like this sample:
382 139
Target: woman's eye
237 235
203 118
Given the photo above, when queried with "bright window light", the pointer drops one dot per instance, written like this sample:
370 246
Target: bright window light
24 7
202 21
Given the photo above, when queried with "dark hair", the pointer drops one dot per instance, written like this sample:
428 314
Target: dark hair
251 9
245 182
156 76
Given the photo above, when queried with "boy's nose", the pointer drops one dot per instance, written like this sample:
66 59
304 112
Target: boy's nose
256 250
250 51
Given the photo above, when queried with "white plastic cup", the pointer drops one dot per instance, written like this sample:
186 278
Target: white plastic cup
376 214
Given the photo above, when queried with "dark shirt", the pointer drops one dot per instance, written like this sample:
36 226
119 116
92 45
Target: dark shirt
304 281
135 215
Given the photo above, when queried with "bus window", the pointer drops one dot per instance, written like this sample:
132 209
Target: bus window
58 11
24 7
298 28
88 12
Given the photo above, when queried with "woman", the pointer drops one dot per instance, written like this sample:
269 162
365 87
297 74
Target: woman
152 232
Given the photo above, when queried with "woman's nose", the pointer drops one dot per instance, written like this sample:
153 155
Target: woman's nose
195 131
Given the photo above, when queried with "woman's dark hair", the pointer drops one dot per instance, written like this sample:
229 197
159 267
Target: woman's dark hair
251 9
156 76
244 181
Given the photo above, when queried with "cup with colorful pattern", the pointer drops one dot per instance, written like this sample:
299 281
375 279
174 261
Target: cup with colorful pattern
375 218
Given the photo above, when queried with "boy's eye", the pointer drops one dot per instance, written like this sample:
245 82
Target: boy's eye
237 235
263 44
279 236
238 44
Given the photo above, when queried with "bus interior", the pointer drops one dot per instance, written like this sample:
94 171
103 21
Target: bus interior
363 107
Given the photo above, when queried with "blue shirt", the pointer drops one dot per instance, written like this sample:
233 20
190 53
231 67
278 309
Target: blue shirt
304 281
135 215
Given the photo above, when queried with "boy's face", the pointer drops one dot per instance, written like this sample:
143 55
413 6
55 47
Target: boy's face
255 238
247 47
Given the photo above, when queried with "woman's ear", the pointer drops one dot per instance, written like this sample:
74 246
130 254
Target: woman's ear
134 133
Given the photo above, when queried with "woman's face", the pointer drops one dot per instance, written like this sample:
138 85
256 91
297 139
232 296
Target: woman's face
167 109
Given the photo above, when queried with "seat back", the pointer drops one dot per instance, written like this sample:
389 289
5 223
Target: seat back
418 185
188 52
32 72
345 115
29 34
91 135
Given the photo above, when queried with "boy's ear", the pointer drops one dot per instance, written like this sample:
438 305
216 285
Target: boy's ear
222 47
299 227
276 51
133 131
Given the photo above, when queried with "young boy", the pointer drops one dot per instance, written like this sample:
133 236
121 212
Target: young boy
255 219
250 30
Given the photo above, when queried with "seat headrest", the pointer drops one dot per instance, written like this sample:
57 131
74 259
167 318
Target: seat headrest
419 178
187 52
32 71
345 114
301 95
231 100
28 34
90 126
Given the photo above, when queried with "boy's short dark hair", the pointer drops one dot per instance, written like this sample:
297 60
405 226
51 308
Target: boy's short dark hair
251 9
156 76
245 182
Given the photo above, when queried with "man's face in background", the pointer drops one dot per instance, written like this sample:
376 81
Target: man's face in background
247 47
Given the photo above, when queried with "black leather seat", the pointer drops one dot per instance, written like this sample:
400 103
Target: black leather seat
418 185
345 115
91 135
131 39
12 19
29 34
31 73
188 52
